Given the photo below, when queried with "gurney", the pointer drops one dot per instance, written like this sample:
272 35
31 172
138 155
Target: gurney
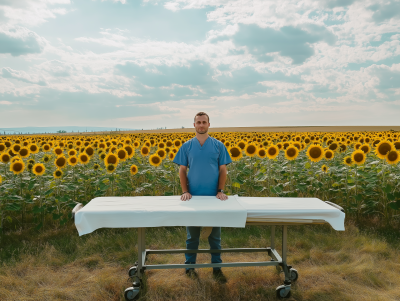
142 212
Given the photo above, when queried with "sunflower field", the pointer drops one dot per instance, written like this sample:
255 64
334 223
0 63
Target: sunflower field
42 177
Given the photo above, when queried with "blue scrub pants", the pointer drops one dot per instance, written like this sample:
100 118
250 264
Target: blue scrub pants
192 243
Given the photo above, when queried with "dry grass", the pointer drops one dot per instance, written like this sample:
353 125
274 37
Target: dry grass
60 265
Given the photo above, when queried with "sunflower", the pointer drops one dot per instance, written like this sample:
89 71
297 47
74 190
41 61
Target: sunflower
261 152
58 173
16 158
177 143
250 150
89 151
60 162
383 147
145 151
324 168
291 152
396 145
133 169
84 158
46 147
171 156
24 152
102 156
161 153
358 157
272 151
72 161
242 144
58 151
46 158
333 146
111 168
235 152
16 147
155 160
3 147
111 159
129 150
30 166
329 154
96 166
393 157
72 152
315 153
365 148
5 158
122 154
17 167
38 169
31 161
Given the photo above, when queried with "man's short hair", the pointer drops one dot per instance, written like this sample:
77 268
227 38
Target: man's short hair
201 114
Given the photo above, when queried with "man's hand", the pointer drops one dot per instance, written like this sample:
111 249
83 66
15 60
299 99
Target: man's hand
222 196
186 196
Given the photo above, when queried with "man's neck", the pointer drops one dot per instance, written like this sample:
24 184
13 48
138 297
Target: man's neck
202 137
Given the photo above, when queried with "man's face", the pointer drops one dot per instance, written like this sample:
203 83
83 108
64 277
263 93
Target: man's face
201 124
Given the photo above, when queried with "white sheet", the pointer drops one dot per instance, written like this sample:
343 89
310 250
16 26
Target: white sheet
159 211
201 211
286 209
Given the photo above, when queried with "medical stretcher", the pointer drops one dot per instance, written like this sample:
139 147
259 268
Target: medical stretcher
206 211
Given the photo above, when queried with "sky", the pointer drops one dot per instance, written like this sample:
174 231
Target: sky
151 64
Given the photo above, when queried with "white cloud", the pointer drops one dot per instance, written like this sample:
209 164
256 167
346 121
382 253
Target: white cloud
5 102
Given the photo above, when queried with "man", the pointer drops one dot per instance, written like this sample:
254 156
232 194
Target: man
206 158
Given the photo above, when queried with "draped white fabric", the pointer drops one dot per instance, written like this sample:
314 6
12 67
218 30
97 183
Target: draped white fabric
201 211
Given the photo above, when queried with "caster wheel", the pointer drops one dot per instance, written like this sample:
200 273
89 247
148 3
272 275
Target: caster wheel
131 293
132 271
293 275
283 291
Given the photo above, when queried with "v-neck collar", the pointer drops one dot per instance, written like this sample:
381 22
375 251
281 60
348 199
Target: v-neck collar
198 142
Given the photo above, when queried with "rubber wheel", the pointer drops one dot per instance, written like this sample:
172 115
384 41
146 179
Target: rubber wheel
294 275
132 271
280 293
130 295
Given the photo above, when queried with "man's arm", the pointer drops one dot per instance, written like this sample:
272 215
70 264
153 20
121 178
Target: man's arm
221 182
183 178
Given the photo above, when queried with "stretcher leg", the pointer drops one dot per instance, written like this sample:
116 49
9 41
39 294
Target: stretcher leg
283 291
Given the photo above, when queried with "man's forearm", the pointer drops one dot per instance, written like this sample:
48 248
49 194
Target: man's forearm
222 179
183 179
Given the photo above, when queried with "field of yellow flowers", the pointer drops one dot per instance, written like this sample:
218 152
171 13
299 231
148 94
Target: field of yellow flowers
44 176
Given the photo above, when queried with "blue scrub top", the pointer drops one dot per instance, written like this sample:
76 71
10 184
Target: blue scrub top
203 163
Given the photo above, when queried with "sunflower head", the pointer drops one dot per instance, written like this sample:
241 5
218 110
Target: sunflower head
329 154
72 152
358 157
291 152
383 147
171 156
72 161
155 160
324 168
122 154
46 159
315 153
365 148
5 158
58 173
251 150
235 153
84 158
60 162
38 169
24 152
393 157
111 159
96 166
102 156
110 168
17 167
272 151
145 151
133 169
